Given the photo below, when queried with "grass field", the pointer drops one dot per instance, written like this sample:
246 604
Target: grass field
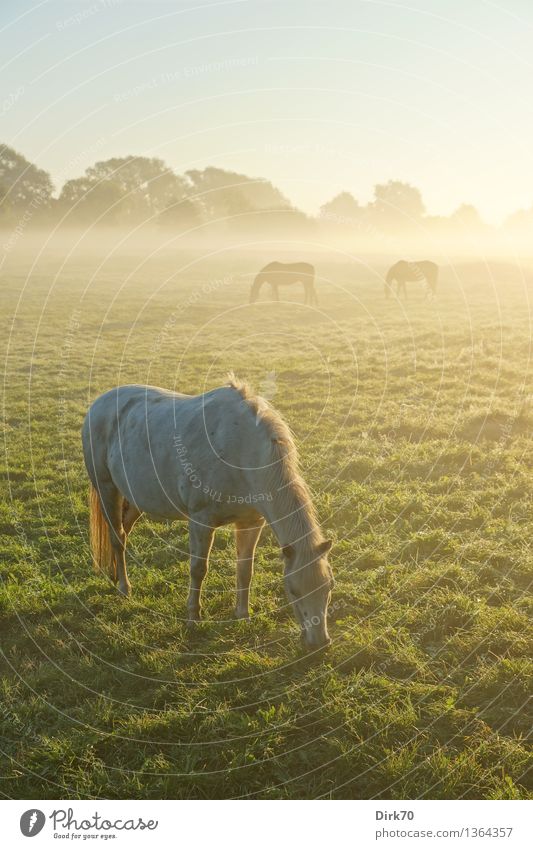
415 434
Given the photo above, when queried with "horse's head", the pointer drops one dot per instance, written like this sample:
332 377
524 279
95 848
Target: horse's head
308 583
256 285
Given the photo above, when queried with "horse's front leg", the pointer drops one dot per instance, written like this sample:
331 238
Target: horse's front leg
200 542
246 537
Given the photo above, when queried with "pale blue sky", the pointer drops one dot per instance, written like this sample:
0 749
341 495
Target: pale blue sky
316 96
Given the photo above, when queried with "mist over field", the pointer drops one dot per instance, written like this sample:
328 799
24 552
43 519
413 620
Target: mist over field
155 161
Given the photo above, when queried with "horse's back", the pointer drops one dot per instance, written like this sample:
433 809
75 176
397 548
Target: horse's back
164 451
123 423
425 265
302 268
414 270
108 408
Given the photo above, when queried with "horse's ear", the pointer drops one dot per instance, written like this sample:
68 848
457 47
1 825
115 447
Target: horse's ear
325 546
288 551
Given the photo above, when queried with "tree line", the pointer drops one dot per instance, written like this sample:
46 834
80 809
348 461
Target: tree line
135 189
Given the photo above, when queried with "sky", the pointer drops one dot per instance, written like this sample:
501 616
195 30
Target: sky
318 96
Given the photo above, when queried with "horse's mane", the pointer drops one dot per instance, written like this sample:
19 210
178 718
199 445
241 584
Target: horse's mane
284 471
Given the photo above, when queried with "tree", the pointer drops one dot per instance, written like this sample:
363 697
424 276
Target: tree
466 217
225 193
24 188
520 220
85 201
125 190
396 205
181 215
342 211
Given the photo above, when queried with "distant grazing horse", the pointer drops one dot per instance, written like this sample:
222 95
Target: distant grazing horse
404 272
214 459
285 274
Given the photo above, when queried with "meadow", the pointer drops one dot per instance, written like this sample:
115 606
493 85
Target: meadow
415 429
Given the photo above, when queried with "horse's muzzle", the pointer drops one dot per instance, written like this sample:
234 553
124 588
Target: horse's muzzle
311 644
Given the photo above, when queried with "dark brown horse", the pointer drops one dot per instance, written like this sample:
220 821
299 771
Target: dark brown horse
278 274
403 272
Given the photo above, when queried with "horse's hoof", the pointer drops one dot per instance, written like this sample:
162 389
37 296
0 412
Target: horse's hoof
240 614
125 590
193 617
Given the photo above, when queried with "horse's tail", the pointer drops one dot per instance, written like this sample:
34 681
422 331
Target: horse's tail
102 550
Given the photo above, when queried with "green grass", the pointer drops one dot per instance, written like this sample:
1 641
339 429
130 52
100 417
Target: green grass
415 436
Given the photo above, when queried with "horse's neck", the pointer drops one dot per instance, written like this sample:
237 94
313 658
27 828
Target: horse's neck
256 285
291 519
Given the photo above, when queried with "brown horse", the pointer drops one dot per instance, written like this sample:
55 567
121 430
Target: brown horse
403 272
278 274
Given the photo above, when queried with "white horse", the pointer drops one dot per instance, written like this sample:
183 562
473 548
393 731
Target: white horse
214 459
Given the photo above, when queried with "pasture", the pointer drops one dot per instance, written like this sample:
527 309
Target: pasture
415 432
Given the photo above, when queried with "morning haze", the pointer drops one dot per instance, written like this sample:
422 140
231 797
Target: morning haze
265 493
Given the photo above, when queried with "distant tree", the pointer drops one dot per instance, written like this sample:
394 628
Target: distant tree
342 210
466 216
133 188
181 215
521 220
85 201
226 193
24 188
396 205
519 226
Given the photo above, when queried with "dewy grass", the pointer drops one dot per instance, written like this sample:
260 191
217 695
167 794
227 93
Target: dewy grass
415 436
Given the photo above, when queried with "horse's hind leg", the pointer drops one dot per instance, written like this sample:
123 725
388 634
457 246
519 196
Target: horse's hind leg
200 542
246 537
113 503
130 514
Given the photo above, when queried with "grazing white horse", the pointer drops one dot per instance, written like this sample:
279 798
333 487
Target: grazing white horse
213 459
